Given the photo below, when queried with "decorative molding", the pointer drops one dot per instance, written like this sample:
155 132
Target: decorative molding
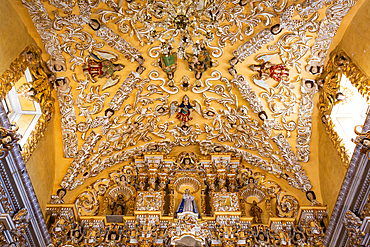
346 196
304 123
68 117
331 82
20 193
30 58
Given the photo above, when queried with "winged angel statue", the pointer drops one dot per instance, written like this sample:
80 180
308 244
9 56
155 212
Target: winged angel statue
100 64
268 70
184 110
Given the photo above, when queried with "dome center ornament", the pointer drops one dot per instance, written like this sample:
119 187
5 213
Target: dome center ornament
181 22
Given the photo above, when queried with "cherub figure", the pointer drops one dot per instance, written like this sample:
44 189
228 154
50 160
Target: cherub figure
269 124
58 198
261 239
185 83
112 239
312 198
105 122
118 207
76 235
9 137
184 110
100 64
299 239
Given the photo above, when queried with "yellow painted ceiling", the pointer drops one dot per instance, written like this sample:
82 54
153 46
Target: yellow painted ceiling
272 102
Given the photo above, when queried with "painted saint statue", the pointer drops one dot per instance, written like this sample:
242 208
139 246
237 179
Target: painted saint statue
187 203
118 207
269 70
99 66
168 60
184 110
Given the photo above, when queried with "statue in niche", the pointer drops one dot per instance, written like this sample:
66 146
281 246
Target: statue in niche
284 239
168 60
187 203
130 206
200 60
312 198
268 206
118 207
100 64
184 110
256 212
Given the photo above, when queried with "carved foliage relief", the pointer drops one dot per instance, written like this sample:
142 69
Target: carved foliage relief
176 94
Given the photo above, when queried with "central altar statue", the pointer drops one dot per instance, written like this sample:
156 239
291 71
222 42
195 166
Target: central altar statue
187 203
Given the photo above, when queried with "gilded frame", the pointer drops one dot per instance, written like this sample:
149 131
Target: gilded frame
339 64
12 75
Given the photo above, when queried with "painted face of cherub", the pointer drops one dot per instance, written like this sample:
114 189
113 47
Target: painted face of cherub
261 237
187 161
367 143
6 140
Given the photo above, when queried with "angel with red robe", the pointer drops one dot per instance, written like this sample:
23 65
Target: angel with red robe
184 110
266 70
100 64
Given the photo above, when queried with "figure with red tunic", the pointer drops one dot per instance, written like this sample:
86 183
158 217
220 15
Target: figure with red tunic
267 70
184 110
100 64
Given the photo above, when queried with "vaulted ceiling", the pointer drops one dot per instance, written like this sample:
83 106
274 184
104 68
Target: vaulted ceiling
232 62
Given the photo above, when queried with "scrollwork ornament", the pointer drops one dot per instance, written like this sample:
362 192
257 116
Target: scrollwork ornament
328 28
287 205
306 106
